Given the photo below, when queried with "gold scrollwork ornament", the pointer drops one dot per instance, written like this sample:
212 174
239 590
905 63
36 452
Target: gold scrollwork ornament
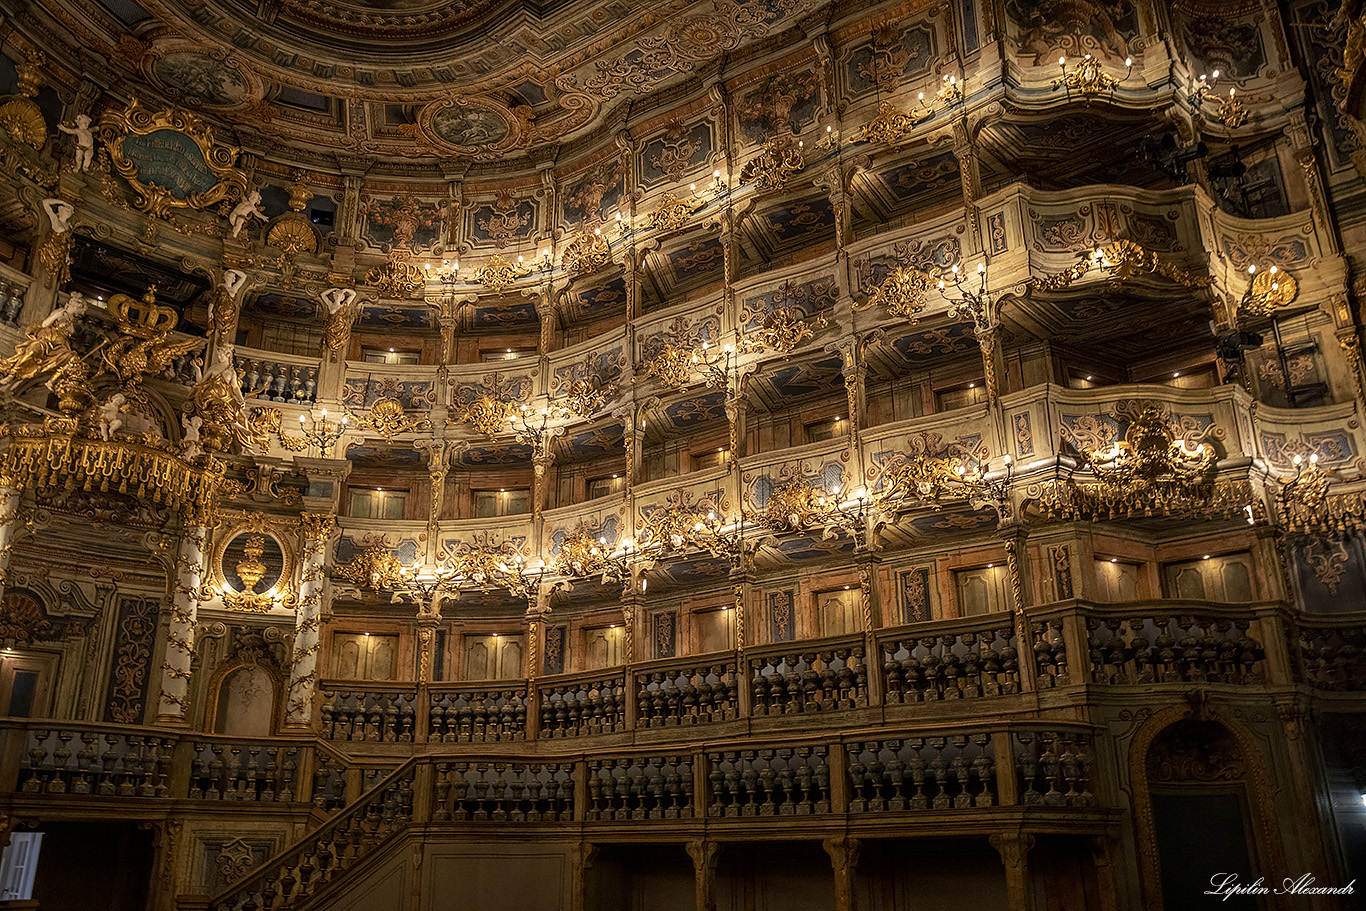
136 126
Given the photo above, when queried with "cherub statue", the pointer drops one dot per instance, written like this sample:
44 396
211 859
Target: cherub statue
110 415
244 210
59 213
47 348
189 438
85 141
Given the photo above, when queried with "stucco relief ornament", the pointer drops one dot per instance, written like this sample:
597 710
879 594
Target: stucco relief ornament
389 418
774 166
20 117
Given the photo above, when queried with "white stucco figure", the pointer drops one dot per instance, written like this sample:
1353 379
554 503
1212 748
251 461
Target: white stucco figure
59 213
111 415
244 210
85 141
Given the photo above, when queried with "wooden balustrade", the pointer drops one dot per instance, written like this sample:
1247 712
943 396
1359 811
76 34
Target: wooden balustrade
773 781
1176 644
922 773
585 705
640 787
305 868
698 690
1054 768
375 715
497 791
105 763
932 662
1332 653
477 714
244 771
823 675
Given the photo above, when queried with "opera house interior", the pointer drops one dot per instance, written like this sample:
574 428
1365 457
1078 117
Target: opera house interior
738 455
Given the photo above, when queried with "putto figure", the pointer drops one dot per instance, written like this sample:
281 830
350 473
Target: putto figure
244 210
85 141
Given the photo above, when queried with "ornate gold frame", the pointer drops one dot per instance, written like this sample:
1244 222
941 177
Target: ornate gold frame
281 594
117 126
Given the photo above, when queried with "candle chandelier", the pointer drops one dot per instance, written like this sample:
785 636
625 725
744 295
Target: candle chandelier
1306 506
1151 472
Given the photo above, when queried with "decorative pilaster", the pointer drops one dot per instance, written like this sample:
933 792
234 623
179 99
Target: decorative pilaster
705 855
10 498
179 656
1014 537
303 676
543 461
989 341
844 854
545 310
971 180
855 372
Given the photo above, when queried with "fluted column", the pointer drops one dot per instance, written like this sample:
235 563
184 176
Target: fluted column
179 654
303 671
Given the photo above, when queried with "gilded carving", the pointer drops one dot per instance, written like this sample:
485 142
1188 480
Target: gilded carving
191 170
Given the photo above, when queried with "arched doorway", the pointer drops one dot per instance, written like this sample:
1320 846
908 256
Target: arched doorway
1202 823
246 701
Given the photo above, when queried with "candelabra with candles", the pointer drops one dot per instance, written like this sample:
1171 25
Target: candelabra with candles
1307 507
724 538
1267 291
582 556
422 584
1202 88
1088 77
321 432
533 427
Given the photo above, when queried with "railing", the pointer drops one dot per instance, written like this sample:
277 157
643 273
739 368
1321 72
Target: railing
477 715
640 787
967 660
593 705
244 771
378 716
104 763
503 792
774 781
824 675
1332 653
698 690
1163 647
945 660
277 377
303 870
926 770
922 773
